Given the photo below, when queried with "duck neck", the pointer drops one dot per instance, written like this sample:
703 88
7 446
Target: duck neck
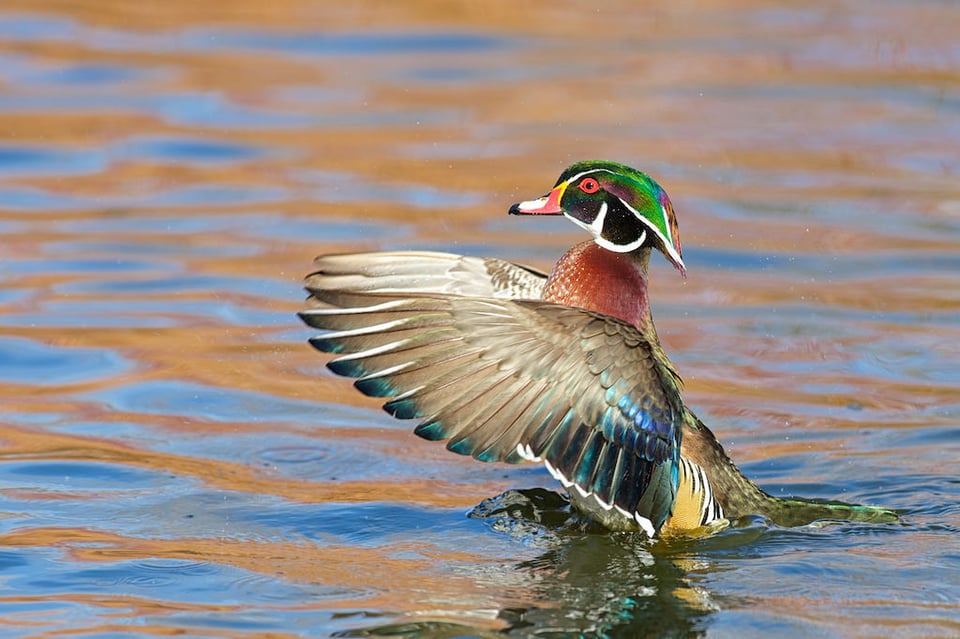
593 278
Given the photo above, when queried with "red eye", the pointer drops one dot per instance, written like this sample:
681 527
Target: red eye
589 185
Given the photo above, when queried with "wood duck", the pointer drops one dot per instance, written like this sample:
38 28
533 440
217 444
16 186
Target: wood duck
512 365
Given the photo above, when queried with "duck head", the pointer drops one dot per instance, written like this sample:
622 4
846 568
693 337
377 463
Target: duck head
623 208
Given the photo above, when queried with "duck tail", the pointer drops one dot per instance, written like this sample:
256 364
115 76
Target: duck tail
800 512
741 497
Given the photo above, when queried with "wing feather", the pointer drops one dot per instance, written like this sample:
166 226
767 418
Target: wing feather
418 272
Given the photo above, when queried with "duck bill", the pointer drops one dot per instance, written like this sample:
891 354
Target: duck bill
549 204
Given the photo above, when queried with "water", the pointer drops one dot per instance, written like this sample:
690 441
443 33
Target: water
174 459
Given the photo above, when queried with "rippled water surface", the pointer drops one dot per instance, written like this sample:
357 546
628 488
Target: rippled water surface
175 459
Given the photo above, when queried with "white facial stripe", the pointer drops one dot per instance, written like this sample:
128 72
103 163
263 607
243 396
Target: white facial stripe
621 248
583 225
580 175
667 242
596 229
597 225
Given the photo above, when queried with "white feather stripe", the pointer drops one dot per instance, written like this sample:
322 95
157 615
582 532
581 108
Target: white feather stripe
688 469
383 306
710 509
366 330
566 483
645 524
707 499
376 350
603 504
386 372
525 452
404 395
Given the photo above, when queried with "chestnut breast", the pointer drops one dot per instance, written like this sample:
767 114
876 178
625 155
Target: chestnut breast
593 278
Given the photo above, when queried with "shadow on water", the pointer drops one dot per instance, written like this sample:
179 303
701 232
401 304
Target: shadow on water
587 582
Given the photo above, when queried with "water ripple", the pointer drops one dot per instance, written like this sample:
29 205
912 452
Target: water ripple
208 402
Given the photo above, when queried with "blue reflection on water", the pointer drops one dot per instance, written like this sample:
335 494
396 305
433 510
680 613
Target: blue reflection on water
76 476
25 361
191 150
22 161
360 43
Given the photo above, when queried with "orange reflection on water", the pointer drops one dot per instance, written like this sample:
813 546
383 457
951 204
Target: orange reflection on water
21 443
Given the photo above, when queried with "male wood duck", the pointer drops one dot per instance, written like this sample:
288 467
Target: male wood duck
512 365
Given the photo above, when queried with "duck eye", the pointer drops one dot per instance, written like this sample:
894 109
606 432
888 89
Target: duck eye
589 185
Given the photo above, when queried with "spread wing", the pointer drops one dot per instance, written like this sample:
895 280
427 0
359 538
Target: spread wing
513 380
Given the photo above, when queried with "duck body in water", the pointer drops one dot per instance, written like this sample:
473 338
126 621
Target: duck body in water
509 364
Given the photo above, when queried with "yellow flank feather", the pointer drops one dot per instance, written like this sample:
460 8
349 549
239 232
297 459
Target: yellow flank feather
688 508
694 507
